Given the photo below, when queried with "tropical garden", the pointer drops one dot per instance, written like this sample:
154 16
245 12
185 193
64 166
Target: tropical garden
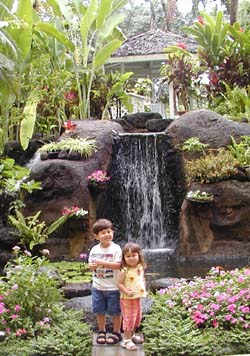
51 72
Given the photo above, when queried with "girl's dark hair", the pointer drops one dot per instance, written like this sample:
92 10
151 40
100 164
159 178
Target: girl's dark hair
135 248
102 224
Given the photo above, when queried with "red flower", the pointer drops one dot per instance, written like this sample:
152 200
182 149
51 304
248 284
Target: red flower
69 126
200 20
181 45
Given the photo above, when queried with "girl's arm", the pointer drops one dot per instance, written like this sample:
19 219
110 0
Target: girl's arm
121 286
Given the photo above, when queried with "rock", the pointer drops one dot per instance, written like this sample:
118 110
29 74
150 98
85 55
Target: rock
163 283
13 149
139 120
208 126
158 125
74 290
219 228
64 184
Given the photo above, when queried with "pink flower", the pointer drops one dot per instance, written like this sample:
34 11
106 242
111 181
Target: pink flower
181 45
215 323
83 256
200 20
231 308
244 309
15 287
17 308
215 306
45 252
14 316
241 279
27 253
228 317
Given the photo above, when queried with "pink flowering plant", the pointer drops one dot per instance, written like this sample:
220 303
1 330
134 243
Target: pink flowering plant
98 178
74 211
29 297
212 314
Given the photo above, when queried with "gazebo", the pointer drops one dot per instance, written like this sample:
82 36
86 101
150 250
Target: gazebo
144 54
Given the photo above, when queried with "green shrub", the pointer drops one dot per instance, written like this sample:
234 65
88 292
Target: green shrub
84 146
212 167
68 337
241 150
193 144
206 316
30 297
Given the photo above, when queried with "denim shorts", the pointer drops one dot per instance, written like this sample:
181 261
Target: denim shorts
106 302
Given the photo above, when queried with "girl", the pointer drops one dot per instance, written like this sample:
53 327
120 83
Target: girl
131 283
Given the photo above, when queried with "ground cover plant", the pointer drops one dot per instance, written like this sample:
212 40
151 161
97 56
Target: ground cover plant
33 321
205 316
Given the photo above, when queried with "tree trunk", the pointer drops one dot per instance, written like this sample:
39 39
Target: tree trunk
152 18
233 11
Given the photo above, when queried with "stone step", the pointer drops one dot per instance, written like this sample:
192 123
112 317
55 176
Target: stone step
114 350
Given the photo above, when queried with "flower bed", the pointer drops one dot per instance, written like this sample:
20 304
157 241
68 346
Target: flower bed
207 316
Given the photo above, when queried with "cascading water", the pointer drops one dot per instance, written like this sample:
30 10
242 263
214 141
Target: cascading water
146 189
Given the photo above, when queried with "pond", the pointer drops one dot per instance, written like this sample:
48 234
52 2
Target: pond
162 264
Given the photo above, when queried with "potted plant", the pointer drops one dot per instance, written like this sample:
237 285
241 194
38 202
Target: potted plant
200 197
69 148
97 181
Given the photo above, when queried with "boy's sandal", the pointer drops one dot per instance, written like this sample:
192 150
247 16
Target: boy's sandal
114 338
138 339
128 345
101 338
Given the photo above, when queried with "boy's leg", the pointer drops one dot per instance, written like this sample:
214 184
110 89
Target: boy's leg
101 321
117 323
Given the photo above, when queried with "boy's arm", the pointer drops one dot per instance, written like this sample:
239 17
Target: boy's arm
111 265
121 286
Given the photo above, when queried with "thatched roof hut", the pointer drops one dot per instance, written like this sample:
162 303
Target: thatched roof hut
144 54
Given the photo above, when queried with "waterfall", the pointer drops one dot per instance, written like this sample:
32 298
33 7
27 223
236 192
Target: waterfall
146 188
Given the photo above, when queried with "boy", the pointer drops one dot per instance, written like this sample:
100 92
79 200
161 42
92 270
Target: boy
105 261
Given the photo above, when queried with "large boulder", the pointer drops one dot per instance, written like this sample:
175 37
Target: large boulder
220 228
64 183
208 126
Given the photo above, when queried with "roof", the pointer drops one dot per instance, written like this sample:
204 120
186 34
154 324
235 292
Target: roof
152 42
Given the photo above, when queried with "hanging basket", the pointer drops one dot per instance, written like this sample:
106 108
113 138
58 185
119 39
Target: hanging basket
200 201
97 188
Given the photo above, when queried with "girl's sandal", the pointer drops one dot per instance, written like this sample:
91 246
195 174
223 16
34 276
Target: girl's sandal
101 338
138 339
128 345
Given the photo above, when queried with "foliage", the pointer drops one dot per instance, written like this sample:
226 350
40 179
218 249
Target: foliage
73 272
12 177
32 316
198 195
68 336
212 167
193 144
206 316
29 296
223 52
98 176
108 90
236 103
85 146
32 232
241 150
244 13
143 86
181 70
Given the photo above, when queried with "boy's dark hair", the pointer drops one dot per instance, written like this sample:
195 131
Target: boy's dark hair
102 224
